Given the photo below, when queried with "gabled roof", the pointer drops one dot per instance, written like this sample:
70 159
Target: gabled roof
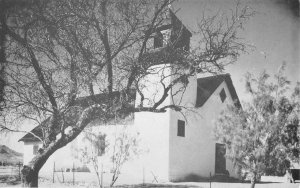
207 85
84 102
37 131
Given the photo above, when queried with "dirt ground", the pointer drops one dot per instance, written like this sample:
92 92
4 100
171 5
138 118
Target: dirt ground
239 185
14 182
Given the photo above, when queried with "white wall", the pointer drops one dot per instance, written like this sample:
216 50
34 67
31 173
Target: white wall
154 131
154 127
151 132
182 149
28 151
62 158
195 153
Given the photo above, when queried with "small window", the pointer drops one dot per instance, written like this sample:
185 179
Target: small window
158 40
223 95
35 149
181 128
187 45
166 36
101 145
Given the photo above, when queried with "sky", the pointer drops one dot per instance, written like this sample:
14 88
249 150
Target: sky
274 32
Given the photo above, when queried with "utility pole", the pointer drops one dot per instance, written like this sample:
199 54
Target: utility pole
101 175
53 172
210 180
73 171
19 169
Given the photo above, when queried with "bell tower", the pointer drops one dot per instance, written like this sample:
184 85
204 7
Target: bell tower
173 32
162 64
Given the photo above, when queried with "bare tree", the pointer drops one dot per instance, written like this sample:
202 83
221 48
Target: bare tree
4 7
97 146
125 148
60 50
2 54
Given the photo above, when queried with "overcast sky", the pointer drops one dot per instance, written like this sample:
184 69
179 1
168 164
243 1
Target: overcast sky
274 32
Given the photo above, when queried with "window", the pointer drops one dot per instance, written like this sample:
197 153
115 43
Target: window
166 36
35 149
100 145
158 40
187 45
181 128
223 95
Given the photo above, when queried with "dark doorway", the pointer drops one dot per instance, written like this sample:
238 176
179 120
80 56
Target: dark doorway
220 165
295 174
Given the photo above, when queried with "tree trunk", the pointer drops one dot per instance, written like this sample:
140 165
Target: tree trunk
114 179
2 50
253 181
29 177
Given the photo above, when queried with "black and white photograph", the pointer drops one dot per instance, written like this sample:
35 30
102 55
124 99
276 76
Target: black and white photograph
150 93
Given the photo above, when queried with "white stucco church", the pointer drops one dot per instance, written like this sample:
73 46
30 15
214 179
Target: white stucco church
173 145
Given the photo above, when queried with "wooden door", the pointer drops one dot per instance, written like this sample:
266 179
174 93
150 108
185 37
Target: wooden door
220 164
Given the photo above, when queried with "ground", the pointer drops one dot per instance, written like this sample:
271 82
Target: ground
11 181
9 177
